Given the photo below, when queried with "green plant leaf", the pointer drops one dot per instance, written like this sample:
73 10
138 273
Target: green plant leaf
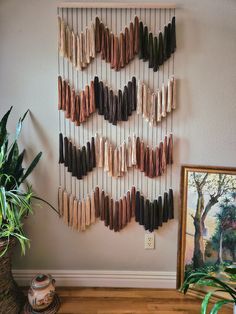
218 305
31 167
3 202
3 124
205 302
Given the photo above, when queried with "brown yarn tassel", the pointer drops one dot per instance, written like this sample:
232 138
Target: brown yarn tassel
63 95
97 35
128 206
116 54
93 213
88 212
127 45
83 216
138 151
108 45
111 223
87 105
170 150
131 41
60 201
164 155
82 107
75 215
146 161
160 158
103 41
65 207
97 202
122 50
142 157
116 217
157 162
73 109
68 101
92 107
136 35
77 110
151 164
71 209
106 211
60 93
120 214
112 51
102 206
124 215
110 161
79 215
133 192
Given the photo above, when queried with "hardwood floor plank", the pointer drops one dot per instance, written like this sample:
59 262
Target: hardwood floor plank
127 301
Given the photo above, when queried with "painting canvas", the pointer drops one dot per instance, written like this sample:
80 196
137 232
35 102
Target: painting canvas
208 222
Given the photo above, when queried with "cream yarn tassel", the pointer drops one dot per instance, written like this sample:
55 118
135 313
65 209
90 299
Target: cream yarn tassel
163 100
88 211
78 56
110 160
134 154
74 56
92 41
101 153
140 98
129 153
66 207
174 93
71 209
106 156
169 95
123 158
75 214
83 216
79 215
159 105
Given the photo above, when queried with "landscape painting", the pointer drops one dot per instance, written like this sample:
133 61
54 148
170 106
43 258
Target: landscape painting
208 222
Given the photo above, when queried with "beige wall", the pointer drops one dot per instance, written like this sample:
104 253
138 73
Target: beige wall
204 126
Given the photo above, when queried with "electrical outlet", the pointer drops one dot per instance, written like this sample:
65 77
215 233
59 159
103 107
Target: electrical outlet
149 242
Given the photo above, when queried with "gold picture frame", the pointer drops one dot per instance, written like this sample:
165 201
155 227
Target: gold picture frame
212 186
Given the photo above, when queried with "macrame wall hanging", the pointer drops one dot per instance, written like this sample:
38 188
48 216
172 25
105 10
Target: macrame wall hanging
116 102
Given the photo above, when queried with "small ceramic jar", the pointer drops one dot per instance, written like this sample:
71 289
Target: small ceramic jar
41 292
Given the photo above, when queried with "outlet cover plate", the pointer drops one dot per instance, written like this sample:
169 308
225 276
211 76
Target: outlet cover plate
149 241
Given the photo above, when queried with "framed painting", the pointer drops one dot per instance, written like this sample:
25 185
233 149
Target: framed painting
207 227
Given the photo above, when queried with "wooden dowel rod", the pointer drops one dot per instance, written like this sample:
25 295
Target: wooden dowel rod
120 5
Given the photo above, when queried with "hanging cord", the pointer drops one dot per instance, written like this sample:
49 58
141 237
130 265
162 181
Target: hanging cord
68 76
171 115
65 132
87 131
73 86
166 119
91 77
59 111
117 91
77 84
82 86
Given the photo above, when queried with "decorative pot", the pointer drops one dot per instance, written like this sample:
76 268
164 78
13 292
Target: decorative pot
11 297
41 292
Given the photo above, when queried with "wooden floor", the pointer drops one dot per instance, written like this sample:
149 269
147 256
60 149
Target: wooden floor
127 301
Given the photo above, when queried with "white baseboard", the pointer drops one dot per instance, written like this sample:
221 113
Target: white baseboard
102 278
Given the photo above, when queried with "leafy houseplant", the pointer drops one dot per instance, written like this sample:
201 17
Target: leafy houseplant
207 280
15 205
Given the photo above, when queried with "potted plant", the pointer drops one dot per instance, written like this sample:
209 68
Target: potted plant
217 285
15 206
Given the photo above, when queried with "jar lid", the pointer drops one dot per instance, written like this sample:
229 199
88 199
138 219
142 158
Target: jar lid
41 281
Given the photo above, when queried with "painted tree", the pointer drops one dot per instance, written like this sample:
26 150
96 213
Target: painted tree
210 188
225 232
